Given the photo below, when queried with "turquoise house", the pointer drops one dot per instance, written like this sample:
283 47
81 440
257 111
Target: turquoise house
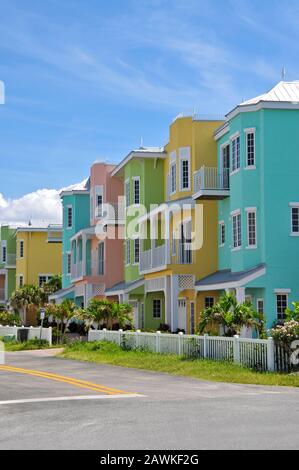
256 184
76 212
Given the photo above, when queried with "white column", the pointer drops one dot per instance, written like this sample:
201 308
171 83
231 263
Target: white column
167 293
240 295
84 254
174 302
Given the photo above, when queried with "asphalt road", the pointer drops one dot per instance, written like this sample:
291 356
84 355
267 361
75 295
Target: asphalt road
51 403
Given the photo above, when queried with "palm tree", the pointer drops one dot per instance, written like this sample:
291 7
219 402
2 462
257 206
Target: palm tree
27 299
231 316
62 314
53 285
123 314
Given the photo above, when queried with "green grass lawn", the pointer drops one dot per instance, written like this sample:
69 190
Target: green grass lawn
26 346
109 353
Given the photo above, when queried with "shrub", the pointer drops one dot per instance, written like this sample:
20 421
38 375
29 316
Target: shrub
287 333
11 319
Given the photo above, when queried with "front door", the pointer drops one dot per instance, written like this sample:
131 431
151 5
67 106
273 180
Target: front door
182 314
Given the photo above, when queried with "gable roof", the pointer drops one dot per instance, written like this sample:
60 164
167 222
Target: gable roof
142 152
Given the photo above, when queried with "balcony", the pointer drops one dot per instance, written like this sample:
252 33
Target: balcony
77 270
10 261
153 260
211 184
54 233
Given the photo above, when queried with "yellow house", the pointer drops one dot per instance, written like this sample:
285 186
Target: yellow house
39 254
180 242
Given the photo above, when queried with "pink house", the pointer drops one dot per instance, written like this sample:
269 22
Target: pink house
97 251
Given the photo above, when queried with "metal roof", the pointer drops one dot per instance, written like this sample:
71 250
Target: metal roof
282 92
124 286
226 276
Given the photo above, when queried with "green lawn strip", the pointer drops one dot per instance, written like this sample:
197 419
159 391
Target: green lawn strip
109 353
30 345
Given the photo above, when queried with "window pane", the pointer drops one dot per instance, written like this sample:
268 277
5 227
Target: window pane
295 219
136 191
251 220
282 304
250 149
236 154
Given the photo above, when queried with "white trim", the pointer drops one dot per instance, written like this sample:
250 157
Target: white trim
155 153
282 291
235 212
293 205
136 178
250 130
251 108
21 240
221 131
247 132
234 136
69 227
221 224
184 156
251 210
253 167
260 299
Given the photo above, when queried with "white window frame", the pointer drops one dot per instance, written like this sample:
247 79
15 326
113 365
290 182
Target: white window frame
293 205
99 193
233 139
260 300
46 276
136 179
128 252
250 131
127 192
185 156
21 249
160 305
136 260
20 277
251 210
279 292
221 226
236 213
68 208
209 297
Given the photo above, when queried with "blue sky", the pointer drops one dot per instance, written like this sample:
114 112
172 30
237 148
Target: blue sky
85 80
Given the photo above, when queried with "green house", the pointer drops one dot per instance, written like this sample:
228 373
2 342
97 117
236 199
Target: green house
7 263
142 173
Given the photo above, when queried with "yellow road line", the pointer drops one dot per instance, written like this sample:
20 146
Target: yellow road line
68 380
72 379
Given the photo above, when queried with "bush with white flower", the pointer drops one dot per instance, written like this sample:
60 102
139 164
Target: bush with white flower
285 334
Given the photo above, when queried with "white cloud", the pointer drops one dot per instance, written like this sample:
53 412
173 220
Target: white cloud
41 207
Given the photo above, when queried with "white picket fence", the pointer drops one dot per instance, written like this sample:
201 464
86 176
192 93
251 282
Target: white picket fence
253 353
33 332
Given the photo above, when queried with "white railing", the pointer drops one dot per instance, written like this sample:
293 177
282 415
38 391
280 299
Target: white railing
253 353
11 259
77 270
2 295
33 333
208 178
152 259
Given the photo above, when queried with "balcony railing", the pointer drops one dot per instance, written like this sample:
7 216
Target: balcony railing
77 270
54 233
210 183
153 259
10 260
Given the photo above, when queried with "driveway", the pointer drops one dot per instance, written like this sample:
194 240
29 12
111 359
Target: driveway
51 403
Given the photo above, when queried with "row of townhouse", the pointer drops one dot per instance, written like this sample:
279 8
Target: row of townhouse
217 210
28 255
